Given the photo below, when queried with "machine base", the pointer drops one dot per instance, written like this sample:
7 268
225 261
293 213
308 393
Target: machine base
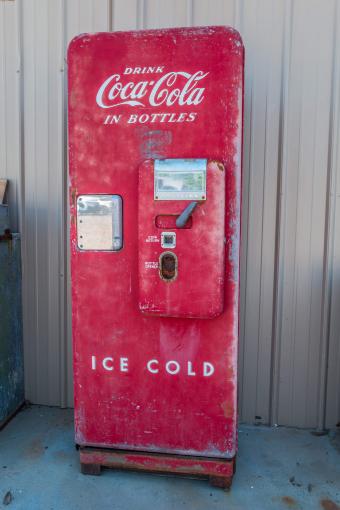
218 471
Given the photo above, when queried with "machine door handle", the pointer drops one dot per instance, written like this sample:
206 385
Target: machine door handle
185 215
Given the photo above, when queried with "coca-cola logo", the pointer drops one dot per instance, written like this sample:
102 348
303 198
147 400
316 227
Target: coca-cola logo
173 88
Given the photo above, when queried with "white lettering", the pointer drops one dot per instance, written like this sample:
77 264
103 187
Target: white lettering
190 370
192 117
132 119
149 367
172 371
105 363
124 365
208 369
154 366
143 118
112 119
180 88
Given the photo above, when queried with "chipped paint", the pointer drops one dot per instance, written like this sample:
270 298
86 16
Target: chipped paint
173 409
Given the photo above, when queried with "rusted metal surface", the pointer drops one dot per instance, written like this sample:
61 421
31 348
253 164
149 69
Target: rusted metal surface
218 471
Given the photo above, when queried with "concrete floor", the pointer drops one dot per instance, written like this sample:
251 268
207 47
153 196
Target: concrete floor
277 469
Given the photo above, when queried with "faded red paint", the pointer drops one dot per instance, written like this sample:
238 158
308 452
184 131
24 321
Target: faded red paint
157 463
191 415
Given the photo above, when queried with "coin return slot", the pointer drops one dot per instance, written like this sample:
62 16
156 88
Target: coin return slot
168 266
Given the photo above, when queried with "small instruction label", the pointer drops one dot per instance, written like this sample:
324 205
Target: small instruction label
152 239
151 265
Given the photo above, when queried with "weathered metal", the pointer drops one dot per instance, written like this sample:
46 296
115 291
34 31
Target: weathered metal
155 341
11 346
218 472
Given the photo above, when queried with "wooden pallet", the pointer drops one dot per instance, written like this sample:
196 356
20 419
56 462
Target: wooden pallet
219 472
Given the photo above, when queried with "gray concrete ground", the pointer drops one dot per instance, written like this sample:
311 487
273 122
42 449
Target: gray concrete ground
277 469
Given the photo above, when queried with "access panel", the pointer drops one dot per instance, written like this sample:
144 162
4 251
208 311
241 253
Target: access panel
181 272
155 136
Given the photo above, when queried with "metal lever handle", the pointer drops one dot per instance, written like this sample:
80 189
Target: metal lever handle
185 215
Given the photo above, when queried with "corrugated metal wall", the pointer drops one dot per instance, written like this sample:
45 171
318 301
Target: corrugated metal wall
289 353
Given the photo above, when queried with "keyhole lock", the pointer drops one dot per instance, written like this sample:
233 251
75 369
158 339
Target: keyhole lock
168 265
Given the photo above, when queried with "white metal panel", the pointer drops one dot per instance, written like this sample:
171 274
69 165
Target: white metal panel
289 350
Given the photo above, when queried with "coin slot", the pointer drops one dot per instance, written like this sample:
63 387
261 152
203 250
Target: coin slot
168 266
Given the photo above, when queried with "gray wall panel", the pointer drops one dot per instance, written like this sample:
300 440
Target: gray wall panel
290 266
10 140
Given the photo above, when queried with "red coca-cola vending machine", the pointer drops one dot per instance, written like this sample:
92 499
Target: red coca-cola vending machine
155 139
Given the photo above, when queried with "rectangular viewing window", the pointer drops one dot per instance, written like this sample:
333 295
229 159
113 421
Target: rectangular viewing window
99 222
180 179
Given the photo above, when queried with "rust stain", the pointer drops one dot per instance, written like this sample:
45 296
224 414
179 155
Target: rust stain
287 500
227 408
219 165
328 504
73 204
7 235
73 196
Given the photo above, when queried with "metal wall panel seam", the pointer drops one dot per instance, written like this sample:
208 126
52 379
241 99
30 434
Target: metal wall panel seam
333 393
29 316
110 15
274 29
250 337
329 229
245 220
63 219
9 122
282 163
41 171
22 197
189 12
3 118
21 189
141 14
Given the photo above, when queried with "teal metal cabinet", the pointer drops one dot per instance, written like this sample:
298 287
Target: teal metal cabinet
11 345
